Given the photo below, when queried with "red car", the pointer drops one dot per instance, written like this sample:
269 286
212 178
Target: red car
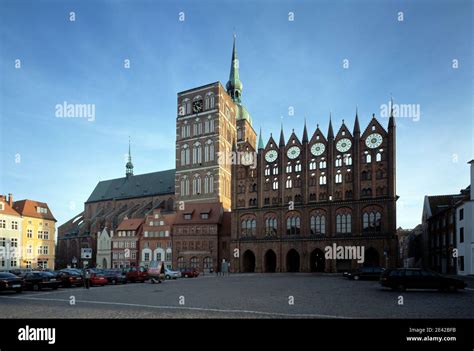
98 279
189 272
135 274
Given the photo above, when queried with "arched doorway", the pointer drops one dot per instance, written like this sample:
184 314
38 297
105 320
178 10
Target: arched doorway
372 258
270 261
249 262
317 262
104 263
292 261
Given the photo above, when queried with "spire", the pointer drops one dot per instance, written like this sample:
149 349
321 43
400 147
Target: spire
330 131
282 137
129 165
391 120
305 133
356 124
234 85
260 141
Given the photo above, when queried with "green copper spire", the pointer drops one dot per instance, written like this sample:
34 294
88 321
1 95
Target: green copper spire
129 165
260 140
234 85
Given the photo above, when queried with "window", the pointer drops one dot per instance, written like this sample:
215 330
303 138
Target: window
368 158
318 224
275 184
194 262
40 234
14 242
288 183
289 168
338 178
29 249
3 224
196 185
187 216
46 235
338 162
322 180
249 227
461 214
204 215
275 169
267 170
271 226
185 159
197 153
322 164
298 167
28 264
378 157
14 225
43 264
209 101
146 256
372 221
312 165
181 264
461 234
29 233
348 160
461 263
293 225
2 206
45 250
343 223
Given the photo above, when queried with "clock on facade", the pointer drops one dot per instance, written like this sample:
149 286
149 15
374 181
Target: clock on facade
293 152
197 106
271 156
373 140
318 149
343 145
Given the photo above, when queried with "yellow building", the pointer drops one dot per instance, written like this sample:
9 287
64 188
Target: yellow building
38 231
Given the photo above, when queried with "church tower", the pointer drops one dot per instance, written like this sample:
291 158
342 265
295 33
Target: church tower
210 119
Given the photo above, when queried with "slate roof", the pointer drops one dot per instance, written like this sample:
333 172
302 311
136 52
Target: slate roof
156 183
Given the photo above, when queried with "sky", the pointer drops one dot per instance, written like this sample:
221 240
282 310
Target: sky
311 58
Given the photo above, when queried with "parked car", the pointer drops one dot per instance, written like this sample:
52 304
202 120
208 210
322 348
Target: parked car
115 277
417 278
189 272
98 279
69 278
367 273
36 280
9 281
169 274
135 274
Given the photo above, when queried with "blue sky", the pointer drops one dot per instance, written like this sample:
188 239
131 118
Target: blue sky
283 64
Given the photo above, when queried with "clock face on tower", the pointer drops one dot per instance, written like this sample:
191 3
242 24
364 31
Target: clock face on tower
271 156
197 106
318 149
373 140
343 145
293 152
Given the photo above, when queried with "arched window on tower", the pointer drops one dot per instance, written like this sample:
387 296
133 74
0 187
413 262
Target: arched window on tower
312 165
378 157
371 221
368 158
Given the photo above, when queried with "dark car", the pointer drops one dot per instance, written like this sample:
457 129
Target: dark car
9 281
417 278
69 278
115 277
367 273
36 280
189 272
135 274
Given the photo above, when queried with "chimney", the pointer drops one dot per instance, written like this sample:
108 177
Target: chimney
472 179
10 196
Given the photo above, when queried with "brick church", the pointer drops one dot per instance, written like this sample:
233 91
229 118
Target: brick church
271 207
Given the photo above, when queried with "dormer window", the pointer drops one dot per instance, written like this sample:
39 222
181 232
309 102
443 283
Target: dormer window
2 206
373 127
343 133
41 210
187 216
204 215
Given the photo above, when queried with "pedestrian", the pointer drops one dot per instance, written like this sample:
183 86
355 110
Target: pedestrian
87 278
